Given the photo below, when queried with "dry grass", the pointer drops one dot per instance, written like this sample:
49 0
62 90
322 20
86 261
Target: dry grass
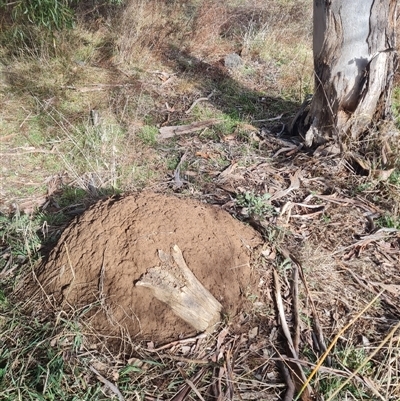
141 69
110 70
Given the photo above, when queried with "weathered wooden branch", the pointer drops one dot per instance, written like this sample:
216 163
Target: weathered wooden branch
173 283
174 130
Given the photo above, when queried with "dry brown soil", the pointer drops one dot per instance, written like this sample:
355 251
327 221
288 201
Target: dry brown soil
105 251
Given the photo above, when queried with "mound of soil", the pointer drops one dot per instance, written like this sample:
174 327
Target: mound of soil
106 250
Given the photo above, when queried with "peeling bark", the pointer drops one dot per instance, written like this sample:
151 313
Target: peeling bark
354 62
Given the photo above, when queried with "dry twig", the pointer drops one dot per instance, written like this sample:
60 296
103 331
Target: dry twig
178 342
295 300
298 374
201 99
110 385
290 390
317 328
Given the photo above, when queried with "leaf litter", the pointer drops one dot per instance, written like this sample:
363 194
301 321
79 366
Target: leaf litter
314 228
330 232
317 224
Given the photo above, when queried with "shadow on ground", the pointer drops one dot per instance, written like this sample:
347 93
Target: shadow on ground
229 95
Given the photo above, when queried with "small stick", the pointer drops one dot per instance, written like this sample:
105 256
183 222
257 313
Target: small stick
317 327
269 119
26 152
298 373
194 388
177 178
190 385
168 81
179 342
229 375
72 272
295 297
6 137
337 372
101 281
174 130
186 360
201 99
23 122
95 87
285 327
111 386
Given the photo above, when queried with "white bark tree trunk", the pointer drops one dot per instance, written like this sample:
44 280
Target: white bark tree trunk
354 61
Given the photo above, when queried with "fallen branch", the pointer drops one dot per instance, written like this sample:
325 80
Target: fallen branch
174 130
298 376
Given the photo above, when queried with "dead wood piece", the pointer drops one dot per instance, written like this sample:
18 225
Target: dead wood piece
295 298
316 326
174 284
294 184
173 130
297 374
202 99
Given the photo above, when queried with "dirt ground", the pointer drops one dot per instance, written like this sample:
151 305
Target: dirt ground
106 250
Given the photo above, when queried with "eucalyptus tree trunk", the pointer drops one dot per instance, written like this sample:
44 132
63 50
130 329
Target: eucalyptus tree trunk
354 62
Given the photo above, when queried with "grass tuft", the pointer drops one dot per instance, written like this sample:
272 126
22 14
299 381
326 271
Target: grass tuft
20 238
